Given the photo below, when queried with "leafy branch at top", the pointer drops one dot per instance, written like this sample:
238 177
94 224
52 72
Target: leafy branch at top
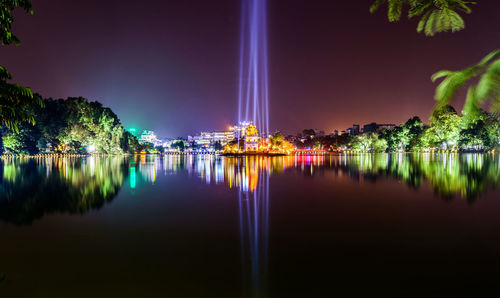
487 89
436 15
15 100
6 18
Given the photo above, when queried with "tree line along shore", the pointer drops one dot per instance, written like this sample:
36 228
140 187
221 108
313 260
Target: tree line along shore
77 127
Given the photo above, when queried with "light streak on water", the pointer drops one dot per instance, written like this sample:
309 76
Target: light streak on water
253 207
253 92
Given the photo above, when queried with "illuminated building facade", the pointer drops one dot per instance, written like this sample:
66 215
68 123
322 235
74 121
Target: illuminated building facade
148 136
241 129
207 139
252 139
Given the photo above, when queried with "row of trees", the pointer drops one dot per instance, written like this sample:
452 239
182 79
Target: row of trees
72 125
447 131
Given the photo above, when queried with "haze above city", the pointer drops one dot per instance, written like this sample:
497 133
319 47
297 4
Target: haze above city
173 67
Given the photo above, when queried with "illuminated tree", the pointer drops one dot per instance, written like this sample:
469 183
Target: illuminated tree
492 127
276 141
379 145
369 142
445 127
235 146
218 146
22 142
287 147
179 145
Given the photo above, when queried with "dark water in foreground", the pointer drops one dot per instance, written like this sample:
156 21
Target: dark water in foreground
204 226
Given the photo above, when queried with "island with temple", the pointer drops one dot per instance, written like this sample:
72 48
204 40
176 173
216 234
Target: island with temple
250 142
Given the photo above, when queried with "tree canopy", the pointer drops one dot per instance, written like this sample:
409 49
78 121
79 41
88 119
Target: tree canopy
72 125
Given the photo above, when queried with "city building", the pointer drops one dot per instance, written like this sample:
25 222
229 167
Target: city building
208 139
374 127
354 130
386 126
148 136
133 131
240 130
167 143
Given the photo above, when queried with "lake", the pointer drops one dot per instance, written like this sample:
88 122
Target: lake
373 225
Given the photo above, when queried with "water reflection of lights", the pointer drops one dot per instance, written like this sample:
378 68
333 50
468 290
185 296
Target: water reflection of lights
253 204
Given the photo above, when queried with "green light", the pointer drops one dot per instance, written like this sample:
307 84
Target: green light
132 178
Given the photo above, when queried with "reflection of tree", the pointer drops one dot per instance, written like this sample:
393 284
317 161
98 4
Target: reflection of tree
467 175
34 187
449 175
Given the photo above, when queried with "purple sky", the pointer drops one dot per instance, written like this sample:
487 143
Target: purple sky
172 66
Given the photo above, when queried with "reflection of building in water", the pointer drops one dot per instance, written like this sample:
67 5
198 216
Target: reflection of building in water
449 175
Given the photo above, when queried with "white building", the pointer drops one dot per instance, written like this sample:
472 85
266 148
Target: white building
206 139
148 136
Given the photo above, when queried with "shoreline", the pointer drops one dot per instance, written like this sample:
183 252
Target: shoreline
71 155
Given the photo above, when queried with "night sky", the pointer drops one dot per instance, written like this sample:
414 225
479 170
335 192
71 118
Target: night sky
172 66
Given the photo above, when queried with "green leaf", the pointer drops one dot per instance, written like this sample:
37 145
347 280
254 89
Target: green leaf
419 8
471 107
486 60
423 21
395 10
488 86
376 5
440 74
429 25
453 81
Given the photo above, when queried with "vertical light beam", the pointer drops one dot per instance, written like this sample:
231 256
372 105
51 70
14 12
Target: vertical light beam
253 91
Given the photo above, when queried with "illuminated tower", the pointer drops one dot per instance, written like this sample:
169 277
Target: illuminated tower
252 139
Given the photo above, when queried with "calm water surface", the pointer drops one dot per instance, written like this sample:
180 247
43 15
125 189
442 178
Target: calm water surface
204 226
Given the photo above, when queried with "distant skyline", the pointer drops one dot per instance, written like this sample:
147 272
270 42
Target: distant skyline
172 66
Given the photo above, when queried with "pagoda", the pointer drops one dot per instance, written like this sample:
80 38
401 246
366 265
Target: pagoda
252 139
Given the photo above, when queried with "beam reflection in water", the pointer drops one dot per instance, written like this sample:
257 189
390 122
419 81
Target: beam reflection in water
253 203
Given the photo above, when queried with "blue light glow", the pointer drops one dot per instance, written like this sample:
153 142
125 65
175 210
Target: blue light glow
253 94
